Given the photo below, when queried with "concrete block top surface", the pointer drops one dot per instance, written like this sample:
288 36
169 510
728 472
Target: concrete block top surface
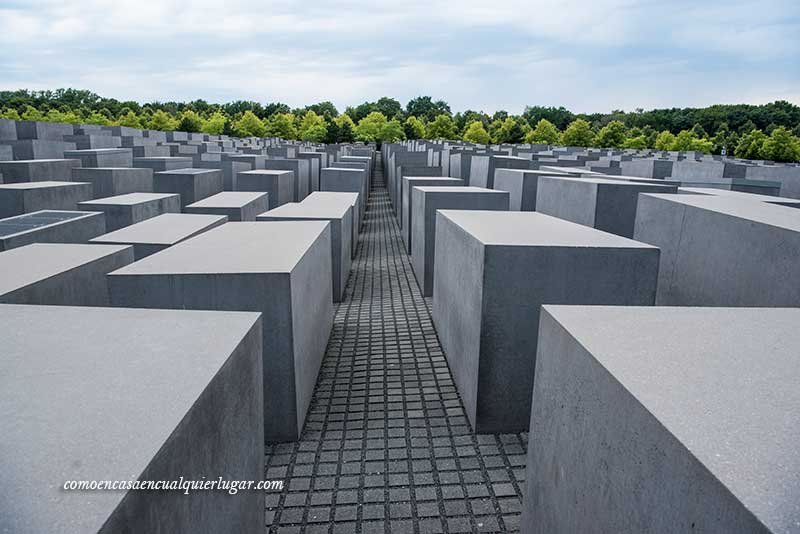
25 265
45 185
761 212
188 170
739 195
227 199
432 178
237 247
128 199
723 381
166 229
97 151
605 181
31 221
528 228
457 190
534 172
343 169
98 410
333 209
273 172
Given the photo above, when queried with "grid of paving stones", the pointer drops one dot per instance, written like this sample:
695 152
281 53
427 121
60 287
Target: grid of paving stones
386 446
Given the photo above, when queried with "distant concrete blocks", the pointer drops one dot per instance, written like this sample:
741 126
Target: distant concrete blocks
50 226
102 157
60 274
343 180
26 197
407 184
521 185
278 184
238 206
323 199
192 185
425 202
302 174
282 269
125 210
722 251
162 163
160 232
493 272
608 205
112 394
42 170
664 420
110 182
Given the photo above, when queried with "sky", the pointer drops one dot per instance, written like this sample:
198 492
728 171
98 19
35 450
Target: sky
588 56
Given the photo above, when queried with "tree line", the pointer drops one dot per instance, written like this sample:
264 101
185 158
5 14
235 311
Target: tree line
769 131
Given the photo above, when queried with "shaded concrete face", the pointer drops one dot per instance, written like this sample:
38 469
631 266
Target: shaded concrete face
109 182
718 251
521 185
302 174
493 272
60 274
172 394
39 170
339 179
50 226
124 210
323 198
161 164
409 182
102 157
192 185
620 412
238 206
278 184
281 269
425 202
27 197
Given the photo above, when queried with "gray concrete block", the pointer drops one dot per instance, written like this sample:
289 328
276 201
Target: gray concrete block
109 181
278 184
521 185
27 197
112 394
282 269
60 274
230 170
102 157
738 195
150 151
315 165
325 198
721 251
50 131
404 171
88 142
160 232
340 216
664 420
132 208
493 272
256 161
425 202
162 163
50 226
27 149
6 152
42 170
339 179
405 200
608 205
238 206
192 185
302 174
8 130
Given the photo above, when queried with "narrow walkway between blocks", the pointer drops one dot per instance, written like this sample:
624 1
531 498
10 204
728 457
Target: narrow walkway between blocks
386 446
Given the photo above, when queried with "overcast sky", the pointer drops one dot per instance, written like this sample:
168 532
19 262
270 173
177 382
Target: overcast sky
585 55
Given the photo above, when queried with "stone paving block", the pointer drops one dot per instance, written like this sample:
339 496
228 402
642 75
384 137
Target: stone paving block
340 216
493 272
608 205
409 182
722 251
50 226
238 206
302 174
132 208
102 157
521 185
425 202
278 184
162 163
691 410
155 395
60 274
192 185
41 170
26 197
161 232
113 181
282 269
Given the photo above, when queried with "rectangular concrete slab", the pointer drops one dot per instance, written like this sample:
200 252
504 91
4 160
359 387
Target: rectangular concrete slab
302 174
102 157
405 200
425 202
238 206
192 185
132 208
119 394
664 420
40 170
50 226
162 163
344 180
278 184
26 197
282 269
109 181
493 272
325 198
161 232
780 201
722 251
521 185
60 274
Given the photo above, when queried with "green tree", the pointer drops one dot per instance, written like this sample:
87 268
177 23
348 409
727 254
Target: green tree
331 133
750 145
163 121
32 114
511 131
664 140
476 133
442 127
369 128
639 142
190 122
347 133
129 119
249 125
686 140
544 133
781 146
612 135
313 127
414 128
215 124
423 107
11 114
392 131
281 125
578 133
390 107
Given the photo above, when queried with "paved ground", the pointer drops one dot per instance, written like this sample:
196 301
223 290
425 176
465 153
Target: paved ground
386 446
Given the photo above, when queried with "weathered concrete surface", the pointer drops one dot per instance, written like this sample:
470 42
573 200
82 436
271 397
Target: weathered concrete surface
192 185
238 206
50 226
40 170
521 185
132 208
278 184
27 197
109 182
